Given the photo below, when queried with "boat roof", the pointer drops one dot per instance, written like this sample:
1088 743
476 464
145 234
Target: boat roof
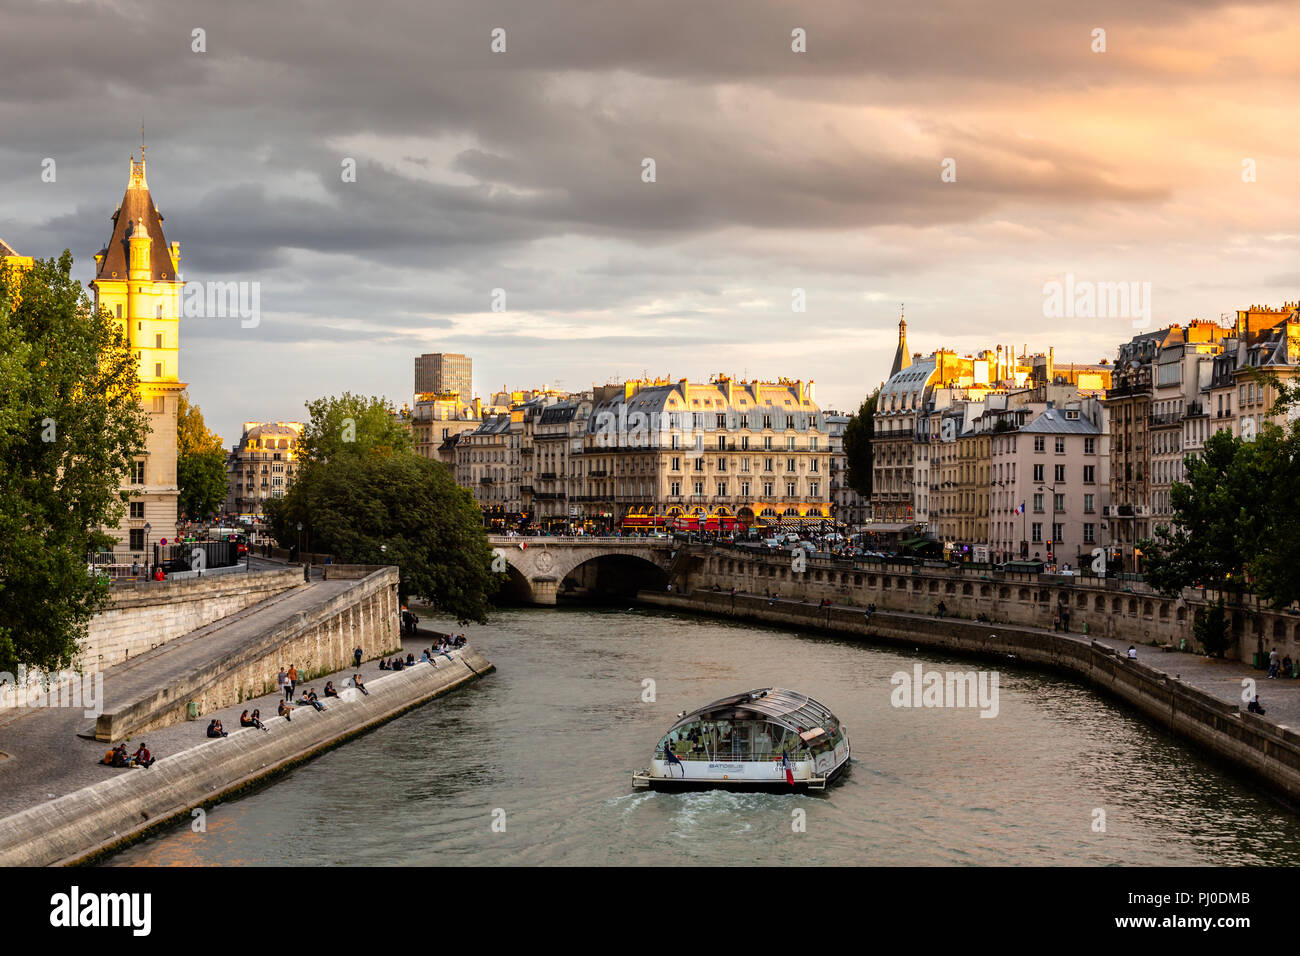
798 712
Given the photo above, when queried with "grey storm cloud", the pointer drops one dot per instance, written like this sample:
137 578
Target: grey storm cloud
522 170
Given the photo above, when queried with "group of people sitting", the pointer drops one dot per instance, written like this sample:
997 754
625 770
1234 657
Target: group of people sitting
254 721
216 730
443 646
118 757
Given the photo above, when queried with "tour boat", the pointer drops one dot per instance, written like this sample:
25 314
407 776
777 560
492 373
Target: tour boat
767 739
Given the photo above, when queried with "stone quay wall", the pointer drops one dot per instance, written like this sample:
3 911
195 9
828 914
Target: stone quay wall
1109 607
1269 752
149 613
318 642
154 612
110 814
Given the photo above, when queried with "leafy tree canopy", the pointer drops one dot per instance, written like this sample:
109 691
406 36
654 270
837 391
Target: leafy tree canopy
857 446
200 464
372 500
352 425
70 426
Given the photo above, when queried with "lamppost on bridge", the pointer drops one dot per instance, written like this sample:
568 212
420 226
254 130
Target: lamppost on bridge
147 563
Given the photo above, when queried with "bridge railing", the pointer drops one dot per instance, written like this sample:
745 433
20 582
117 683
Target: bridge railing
537 541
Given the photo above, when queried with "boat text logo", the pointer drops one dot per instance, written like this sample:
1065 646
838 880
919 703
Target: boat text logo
946 689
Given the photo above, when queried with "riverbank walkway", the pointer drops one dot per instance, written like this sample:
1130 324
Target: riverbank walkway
48 753
1280 697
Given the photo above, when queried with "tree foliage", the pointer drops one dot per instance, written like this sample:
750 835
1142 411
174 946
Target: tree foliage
1236 527
352 425
1210 628
1220 516
200 464
857 446
372 500
70 426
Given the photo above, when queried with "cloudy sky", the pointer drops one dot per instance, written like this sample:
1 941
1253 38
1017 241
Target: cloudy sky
775 170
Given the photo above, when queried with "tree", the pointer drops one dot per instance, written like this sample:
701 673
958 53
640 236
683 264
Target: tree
1210 627
71 425
857 446
352 425
372 500
1216 513
200 463
1221 521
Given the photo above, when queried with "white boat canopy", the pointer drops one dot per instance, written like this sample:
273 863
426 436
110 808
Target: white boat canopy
795 712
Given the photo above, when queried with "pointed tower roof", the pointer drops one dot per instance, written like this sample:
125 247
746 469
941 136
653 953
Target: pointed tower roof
6 250
137 205
902 357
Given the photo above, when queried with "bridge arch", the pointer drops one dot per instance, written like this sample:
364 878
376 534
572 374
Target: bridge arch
540 566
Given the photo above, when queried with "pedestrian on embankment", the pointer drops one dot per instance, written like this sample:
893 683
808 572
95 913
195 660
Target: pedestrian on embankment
293 682
356 657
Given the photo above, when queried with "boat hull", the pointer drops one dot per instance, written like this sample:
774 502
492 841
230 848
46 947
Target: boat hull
684 784
744 775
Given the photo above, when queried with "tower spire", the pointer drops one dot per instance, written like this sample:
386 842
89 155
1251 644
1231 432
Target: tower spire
902 357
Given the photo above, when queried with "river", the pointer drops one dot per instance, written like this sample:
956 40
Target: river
532 765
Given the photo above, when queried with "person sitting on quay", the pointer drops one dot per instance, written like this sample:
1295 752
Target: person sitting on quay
245 720
410 660
359 685
285 710
1254 706
1132 653
311 698
329 689
142 757
257 721
117 757
214 729
395 664
383 664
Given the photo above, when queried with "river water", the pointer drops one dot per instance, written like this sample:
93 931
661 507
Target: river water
532 765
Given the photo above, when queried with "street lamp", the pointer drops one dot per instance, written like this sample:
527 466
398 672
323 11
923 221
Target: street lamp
300 541
148 569
1053 542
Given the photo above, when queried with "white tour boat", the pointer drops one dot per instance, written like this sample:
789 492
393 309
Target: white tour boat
767 739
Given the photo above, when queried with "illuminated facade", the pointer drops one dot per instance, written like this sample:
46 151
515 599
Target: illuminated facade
136 282
709 455
261 466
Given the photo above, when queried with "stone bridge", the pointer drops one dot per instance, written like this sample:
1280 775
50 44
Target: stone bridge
540 567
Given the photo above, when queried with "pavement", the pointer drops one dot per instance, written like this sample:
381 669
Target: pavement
47 757
1280 697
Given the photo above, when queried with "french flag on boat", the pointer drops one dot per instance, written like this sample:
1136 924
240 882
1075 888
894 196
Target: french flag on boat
672 758
789 768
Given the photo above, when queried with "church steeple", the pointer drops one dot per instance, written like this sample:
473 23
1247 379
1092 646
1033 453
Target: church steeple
902 357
